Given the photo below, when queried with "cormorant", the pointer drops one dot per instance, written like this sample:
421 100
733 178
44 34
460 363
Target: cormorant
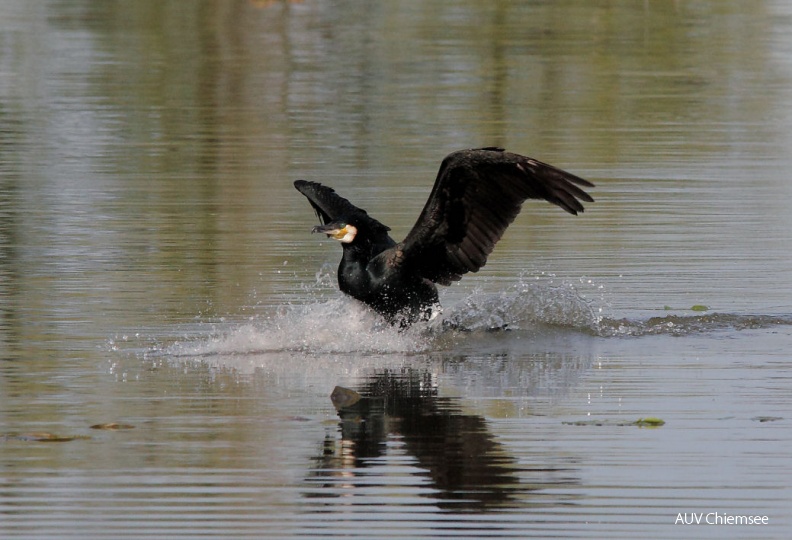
476 195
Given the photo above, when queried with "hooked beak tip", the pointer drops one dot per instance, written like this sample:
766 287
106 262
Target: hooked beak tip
342 232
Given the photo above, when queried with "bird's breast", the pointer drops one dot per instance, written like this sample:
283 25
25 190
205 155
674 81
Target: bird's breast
354 279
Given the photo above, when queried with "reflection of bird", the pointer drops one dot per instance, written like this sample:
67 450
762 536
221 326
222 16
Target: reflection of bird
476 195
468 469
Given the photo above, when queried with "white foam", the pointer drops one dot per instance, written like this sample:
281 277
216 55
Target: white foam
337 326
527 304
343 326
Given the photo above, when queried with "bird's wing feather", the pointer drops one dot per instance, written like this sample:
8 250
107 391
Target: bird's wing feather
329 206
477 194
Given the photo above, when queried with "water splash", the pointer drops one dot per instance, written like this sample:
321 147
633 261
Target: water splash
338 326
343 325
684 325
538 305
526 305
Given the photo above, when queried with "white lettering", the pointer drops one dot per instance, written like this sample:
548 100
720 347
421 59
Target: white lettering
689 519
717 518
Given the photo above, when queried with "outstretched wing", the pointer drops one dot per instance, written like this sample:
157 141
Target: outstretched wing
329 206
477 194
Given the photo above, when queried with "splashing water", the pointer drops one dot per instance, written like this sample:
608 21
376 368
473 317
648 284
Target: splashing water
343 325
525 305
537 304
685 325
338 326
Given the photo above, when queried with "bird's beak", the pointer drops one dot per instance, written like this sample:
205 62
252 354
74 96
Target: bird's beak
342 233
332 230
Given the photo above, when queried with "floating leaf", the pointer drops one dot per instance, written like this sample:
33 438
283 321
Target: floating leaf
699 307
42 436
112 426
649 422
641 422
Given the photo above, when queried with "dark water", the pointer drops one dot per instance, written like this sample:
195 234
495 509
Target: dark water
171 334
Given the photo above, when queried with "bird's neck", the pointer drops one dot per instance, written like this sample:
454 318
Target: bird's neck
353 276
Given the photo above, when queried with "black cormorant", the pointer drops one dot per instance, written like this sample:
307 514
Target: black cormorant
476 195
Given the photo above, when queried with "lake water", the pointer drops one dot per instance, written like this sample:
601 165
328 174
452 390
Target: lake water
171 333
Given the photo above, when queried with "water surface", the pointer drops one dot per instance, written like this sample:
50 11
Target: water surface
159 282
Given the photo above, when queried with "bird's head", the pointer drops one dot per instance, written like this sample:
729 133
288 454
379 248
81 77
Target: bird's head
340 230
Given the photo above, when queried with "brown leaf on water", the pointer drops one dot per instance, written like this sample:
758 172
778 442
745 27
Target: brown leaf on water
42 436
112 426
